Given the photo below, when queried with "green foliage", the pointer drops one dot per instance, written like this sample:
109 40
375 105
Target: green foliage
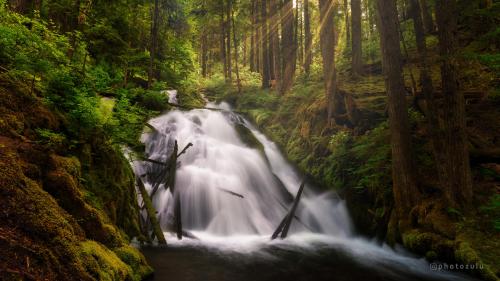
154 100
492 210
373 153
50 138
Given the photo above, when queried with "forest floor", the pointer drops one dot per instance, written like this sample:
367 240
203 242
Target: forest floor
356 161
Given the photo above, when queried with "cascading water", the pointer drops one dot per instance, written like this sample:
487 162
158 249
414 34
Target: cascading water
218 164
233 197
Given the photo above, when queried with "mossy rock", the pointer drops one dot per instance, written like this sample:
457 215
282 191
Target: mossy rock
137 262
248 138
102 263
465 254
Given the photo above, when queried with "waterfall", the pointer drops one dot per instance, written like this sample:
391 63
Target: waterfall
234 195
219 165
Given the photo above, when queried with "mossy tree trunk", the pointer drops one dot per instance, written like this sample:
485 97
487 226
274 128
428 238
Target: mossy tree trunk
406 194
151 212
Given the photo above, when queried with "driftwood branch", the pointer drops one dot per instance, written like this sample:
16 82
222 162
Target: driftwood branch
185 148
231 192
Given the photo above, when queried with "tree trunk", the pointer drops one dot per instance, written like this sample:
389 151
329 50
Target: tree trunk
272 74
327 10
308 39
275 39
151 212
432 111
347 25
288 46
235 44
265 47
356 44
405 189
204 54
427 17
459 187
253 44
228 40
223 54
154 35
296 39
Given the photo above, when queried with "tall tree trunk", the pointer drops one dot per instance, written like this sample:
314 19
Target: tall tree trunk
244 50
300 35
258 52
288 46
347 25
272 74
275 39
235 44
154 39
404 187
296 31
265 46
427 17
327 10
204 54
253 36
432 111
356 44
459 188
223 53
228 40
308 38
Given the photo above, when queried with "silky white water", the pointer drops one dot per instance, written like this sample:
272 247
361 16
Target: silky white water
219 165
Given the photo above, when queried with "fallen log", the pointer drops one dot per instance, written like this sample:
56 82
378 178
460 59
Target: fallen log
280 227
284 225
151 212
151 127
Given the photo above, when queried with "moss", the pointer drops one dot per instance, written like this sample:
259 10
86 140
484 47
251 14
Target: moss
102 263
248 138
132 257
465 254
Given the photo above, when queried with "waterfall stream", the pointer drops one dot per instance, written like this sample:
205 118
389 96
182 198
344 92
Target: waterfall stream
220 165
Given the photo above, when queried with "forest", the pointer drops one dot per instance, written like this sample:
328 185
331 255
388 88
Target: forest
261 140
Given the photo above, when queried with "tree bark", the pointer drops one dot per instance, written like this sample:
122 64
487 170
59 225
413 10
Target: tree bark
327 10
288 46
228 40
301 37
459 187
308 38
270 31
356 44
347 25
432 111
204 54
253 31
405 190
430 27
265 46
223 53
154 39
275 39
235 44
